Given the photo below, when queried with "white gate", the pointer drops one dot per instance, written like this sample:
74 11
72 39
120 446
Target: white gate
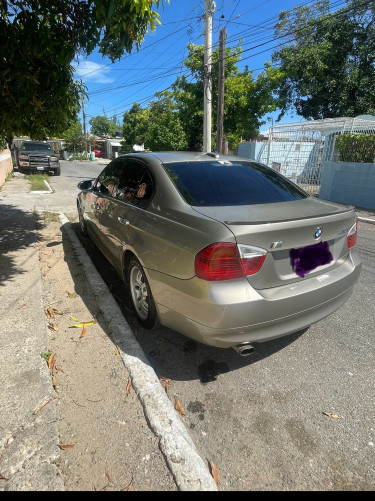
297 150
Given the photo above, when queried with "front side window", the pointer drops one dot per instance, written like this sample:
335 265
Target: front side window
108 180
221 182
135 184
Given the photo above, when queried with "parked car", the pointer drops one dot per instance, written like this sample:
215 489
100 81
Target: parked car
224 250
99 153
38 156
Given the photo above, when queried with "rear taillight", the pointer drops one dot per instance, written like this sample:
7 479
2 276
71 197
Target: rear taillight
227 261
351 237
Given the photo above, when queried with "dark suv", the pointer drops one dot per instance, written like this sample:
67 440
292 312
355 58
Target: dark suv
38 156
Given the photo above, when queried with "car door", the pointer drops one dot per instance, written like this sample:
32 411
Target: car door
98 201
131 195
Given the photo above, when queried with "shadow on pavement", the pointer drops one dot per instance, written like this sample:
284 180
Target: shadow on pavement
18 231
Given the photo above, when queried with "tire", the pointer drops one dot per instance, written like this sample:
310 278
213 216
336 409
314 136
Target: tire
82 222
141 296
57 171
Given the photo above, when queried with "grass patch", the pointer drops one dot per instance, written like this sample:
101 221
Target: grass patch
50 216
37 182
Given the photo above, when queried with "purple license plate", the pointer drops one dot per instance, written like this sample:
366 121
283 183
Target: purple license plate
306 259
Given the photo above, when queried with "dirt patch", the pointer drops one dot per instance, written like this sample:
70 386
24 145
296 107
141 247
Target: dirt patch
106 443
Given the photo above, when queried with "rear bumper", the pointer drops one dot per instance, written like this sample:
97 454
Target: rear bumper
224 314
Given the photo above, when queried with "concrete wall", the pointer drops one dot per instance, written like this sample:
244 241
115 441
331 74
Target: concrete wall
349 183
6 165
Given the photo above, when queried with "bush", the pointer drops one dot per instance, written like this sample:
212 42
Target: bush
356 148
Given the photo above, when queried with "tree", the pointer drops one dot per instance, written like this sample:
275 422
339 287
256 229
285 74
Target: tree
40 39
165 131
246 100
102 126
158 127
134 127
328 63
74 139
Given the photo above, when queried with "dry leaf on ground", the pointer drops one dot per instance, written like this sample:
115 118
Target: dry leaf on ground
331 415
84 324
129 486
49 312
166 379
83 332
51 360
128 387
178 407
52 326
109 478
41 406
214 473
65 447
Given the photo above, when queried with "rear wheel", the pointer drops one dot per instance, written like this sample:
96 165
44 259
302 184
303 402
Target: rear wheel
141 297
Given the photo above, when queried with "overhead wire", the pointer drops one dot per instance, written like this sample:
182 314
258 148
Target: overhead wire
233 39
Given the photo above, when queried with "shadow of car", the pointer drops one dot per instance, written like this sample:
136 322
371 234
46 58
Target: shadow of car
221 249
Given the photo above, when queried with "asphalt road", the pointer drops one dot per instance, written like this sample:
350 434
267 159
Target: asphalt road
296 415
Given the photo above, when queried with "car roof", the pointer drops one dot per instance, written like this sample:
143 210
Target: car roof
183 156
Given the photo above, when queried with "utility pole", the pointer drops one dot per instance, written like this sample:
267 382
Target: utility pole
84 125
220 103
207 82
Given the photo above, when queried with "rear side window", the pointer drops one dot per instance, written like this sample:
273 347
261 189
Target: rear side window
218 183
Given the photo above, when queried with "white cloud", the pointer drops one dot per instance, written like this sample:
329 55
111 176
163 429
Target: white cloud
93 72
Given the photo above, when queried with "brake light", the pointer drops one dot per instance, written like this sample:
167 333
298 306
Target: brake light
227 261
351 237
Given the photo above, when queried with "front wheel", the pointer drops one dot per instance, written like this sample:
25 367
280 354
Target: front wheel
141 297
57 171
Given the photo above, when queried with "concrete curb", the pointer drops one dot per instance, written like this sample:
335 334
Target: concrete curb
366 220
188 468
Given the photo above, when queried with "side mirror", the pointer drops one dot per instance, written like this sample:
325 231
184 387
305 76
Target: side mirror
85 185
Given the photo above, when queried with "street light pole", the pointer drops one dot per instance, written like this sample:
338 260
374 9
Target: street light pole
207 82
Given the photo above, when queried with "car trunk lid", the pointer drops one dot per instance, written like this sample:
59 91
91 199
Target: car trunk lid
302 238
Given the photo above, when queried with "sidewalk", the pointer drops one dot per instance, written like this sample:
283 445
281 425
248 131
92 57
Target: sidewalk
29 442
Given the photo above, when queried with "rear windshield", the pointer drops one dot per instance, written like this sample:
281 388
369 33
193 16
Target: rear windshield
215 183
36 147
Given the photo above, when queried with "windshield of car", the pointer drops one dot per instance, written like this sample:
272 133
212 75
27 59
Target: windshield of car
220 182
36 147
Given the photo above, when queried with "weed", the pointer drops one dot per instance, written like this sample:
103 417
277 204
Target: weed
51 216
46 356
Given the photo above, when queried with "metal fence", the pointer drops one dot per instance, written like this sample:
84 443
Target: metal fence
297 150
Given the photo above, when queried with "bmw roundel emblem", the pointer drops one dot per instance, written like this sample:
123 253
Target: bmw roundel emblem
318 233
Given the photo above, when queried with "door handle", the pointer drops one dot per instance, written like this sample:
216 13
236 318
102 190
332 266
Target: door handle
122 220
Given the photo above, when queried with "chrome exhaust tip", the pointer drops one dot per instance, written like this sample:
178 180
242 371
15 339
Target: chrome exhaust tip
244 349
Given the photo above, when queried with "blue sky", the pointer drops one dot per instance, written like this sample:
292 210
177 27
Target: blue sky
113 88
